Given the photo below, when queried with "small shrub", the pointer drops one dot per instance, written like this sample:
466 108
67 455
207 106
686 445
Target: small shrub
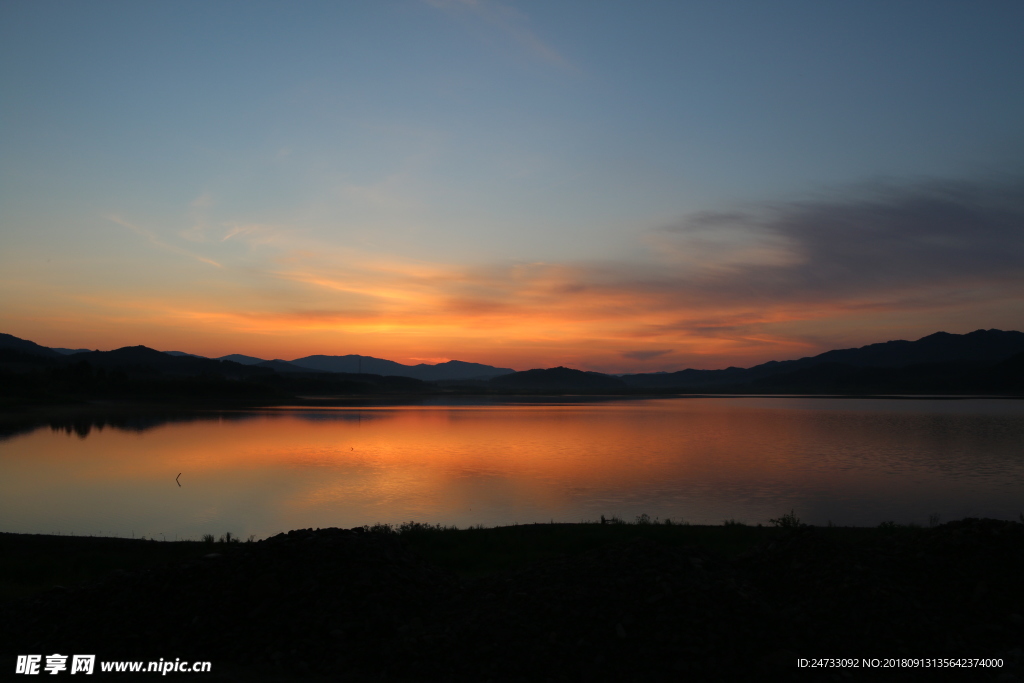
934 519
640 519
889 524
411 527
787 521
208 538
732 522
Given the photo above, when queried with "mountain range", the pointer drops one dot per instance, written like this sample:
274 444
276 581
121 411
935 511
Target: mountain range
978 362
450 370
352 364
888 361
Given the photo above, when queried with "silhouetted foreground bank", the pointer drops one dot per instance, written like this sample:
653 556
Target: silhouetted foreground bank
618 603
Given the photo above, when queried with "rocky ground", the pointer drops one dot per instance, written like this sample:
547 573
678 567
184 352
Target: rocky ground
334 604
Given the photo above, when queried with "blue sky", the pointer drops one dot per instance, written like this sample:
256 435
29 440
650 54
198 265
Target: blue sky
596 184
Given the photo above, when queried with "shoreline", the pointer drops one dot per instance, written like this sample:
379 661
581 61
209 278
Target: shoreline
586 602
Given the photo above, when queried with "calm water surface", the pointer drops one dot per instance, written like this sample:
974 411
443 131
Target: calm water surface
851 461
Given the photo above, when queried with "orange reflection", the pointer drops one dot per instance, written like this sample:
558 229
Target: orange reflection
704 460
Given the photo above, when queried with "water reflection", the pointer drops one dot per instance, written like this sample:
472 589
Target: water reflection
702 460
83 425
83 421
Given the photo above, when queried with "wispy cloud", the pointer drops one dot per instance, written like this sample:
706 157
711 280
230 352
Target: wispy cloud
157 242
645 355
258 234
198 211
509 22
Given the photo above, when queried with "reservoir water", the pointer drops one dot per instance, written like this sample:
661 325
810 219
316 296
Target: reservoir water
700 460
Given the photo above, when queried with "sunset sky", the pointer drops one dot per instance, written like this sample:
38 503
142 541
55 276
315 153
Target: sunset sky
611 186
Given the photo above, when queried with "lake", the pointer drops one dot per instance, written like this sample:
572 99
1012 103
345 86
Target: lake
700 460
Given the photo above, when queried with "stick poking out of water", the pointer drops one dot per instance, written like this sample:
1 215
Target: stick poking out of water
176 479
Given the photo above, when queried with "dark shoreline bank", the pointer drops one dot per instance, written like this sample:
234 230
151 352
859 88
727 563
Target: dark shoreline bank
572 602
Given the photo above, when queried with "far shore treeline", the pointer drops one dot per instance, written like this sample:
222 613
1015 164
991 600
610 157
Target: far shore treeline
984 362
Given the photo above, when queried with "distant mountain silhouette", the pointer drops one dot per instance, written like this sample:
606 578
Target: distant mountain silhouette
558 379
32 373
278 365
68 352
144 361
244 360
351 364
980 347
457 369
984 346
453 369
8 341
